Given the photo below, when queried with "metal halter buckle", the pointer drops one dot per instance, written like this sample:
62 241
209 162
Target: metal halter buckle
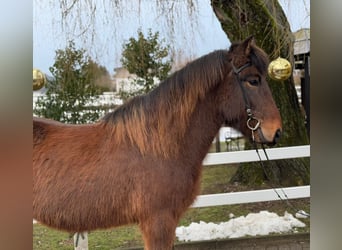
251 127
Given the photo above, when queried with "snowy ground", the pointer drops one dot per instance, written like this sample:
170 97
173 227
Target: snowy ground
262 223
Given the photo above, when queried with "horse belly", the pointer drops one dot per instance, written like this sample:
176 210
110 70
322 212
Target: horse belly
78 211
79 205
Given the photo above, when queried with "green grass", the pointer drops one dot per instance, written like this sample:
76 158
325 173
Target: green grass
46 238
215 179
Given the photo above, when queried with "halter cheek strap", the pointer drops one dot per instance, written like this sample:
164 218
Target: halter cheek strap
237 72
252 122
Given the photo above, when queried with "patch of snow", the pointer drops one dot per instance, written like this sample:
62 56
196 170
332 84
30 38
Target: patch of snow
301 214
262 223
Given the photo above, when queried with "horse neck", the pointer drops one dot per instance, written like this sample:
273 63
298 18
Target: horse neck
205 123
189 111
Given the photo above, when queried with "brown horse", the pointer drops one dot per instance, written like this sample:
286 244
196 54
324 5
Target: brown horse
142 163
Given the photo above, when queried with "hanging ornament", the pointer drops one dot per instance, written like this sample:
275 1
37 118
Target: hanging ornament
279 69
38 79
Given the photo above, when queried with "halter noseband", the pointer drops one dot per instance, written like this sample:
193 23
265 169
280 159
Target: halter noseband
251 118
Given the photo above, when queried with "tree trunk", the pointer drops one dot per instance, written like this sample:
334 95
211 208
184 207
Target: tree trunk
266 20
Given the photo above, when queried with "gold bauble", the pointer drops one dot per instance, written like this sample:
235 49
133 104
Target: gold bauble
279 69
38 79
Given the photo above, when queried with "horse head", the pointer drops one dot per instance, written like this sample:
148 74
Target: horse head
259 118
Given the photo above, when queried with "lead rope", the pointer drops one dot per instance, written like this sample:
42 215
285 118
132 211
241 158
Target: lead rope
286 200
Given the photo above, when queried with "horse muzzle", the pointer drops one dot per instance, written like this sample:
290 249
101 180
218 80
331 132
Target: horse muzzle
263 136
259 137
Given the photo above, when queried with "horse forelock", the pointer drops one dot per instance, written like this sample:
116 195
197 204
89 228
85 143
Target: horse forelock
155 122
257 57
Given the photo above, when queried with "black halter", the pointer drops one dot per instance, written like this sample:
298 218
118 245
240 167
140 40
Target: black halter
251 119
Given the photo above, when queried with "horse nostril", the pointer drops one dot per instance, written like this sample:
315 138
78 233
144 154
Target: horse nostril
277 136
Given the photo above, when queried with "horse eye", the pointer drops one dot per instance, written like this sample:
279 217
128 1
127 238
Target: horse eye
254 82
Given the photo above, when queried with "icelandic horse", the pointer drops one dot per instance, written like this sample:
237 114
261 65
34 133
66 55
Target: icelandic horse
142 162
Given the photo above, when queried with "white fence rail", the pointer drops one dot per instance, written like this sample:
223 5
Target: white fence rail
251 196
251 155
256 195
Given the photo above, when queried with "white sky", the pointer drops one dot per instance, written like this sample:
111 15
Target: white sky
105 48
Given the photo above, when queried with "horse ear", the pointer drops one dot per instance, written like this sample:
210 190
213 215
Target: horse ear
247 45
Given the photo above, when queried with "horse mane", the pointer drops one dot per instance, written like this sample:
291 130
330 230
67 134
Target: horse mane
148 121
156 122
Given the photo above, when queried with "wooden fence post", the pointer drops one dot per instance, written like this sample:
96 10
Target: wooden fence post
81 241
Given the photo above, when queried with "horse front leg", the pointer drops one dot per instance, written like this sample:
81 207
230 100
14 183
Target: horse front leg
159 231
